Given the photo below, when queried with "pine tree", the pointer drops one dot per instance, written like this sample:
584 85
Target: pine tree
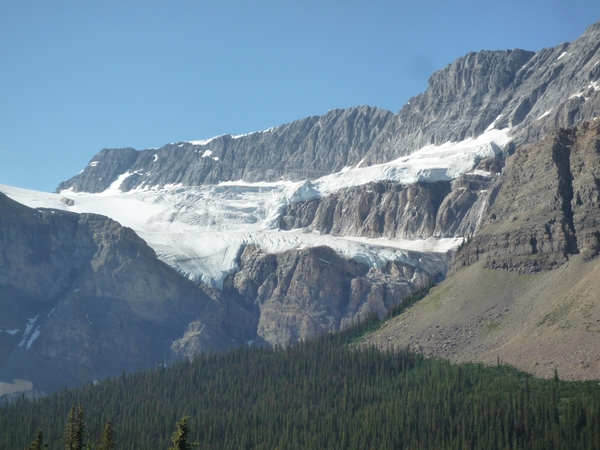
75 430
180 436
107 441
38 444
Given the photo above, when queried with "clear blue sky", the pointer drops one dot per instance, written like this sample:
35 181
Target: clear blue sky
78 76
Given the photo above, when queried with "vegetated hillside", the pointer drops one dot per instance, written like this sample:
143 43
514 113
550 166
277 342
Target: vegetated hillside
322 394
526 287
96 300
536 322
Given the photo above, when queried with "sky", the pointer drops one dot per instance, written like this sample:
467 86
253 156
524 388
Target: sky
79 76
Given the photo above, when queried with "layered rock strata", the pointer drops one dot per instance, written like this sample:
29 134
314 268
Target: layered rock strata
545 206
300 293
530 93
84 298
395 211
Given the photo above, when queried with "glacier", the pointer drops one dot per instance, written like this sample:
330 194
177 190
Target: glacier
201 230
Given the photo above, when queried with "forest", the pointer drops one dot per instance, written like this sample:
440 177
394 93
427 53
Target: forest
326 393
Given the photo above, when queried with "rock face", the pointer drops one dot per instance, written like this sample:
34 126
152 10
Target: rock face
301 293
84 298
395 211
533 93
546 205
307 148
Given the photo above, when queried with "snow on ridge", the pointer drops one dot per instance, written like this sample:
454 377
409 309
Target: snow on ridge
199 230
545 114
493 124
204 141
233 136
429 164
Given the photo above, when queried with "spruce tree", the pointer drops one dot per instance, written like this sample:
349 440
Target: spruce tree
180 437
107 441
75 435
38 443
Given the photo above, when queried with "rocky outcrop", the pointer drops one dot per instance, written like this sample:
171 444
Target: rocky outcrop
532 93
84 298
307 148
546 207
373 210
396 211
461 101
301 293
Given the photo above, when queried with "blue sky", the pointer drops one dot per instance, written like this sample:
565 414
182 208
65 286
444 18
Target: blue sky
78 76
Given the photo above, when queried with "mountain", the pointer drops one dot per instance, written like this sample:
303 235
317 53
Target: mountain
525 289
528 93
279 235
84 298
308 148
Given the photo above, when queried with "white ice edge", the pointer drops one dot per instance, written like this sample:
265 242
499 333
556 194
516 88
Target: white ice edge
200 230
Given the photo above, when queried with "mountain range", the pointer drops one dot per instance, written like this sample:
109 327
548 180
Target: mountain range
487 184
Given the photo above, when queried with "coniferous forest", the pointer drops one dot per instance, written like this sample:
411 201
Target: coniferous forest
323 394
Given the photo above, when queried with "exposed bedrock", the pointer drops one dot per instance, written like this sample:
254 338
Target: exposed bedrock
547 206
396 211
306 148
532 93
300 293
83 298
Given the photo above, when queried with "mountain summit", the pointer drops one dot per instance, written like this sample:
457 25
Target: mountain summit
150 256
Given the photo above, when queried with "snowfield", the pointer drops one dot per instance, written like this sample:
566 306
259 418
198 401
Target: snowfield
200 230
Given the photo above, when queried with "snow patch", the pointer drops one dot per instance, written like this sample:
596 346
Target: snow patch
155 158
545 114
13 332
206 153
199 230
116 185
93 164
482 173
429 164
33 337
562 55
199 142
28 327
493 124
237 136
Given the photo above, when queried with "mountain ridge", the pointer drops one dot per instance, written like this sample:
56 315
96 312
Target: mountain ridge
532 93
336 216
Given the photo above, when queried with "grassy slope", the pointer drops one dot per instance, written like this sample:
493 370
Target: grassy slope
534 322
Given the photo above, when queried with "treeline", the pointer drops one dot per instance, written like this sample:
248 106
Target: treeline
322 394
